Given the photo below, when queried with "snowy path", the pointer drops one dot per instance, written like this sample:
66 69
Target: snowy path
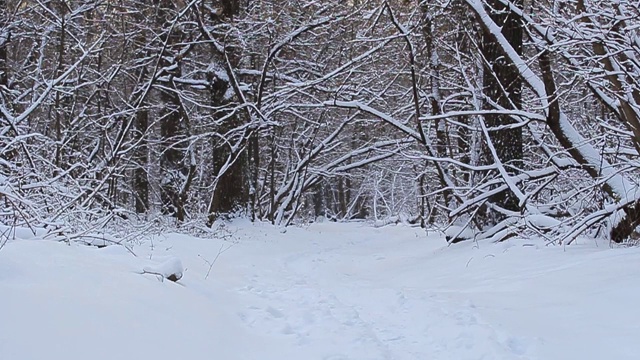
330 292
338 302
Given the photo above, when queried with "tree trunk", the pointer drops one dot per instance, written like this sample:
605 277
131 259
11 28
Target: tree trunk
5 34
230 193
172 160
61 100
428 30
272 177
503 85
141 125
140 179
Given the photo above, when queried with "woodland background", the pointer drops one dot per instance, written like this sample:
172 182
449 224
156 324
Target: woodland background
504 117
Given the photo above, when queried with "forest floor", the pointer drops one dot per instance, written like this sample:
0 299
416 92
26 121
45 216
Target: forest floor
328 291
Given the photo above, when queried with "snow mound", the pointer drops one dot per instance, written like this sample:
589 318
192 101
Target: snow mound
543 222
459 233
21 233
170 269
63 301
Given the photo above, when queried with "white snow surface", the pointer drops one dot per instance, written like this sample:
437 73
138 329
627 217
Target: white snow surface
172 266
17 232
329 291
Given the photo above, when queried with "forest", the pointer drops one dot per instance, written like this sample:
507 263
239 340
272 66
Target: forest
500 117
319 179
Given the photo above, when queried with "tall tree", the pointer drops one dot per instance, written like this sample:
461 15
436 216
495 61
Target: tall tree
4 40
230 162
174 160
503 88
5 103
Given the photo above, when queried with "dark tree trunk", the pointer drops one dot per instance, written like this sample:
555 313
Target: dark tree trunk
422 198
4 41
61 99
173 169
231 192
172 158
140 179
141 125
5 35
342 200
503 85
272 177
464 145
319 208
254 170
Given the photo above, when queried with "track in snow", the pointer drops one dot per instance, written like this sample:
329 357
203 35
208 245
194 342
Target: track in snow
336 302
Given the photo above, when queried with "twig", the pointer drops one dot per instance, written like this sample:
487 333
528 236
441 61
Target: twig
211 263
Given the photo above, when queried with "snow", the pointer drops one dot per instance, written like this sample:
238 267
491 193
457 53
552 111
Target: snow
459 232
19 232
170 268
327 291
543 222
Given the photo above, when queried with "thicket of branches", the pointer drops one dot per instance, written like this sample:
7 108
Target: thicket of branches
505 117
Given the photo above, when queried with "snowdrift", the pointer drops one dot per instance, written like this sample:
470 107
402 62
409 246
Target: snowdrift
331 291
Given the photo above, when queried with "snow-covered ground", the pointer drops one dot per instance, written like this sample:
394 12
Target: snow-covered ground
329 291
